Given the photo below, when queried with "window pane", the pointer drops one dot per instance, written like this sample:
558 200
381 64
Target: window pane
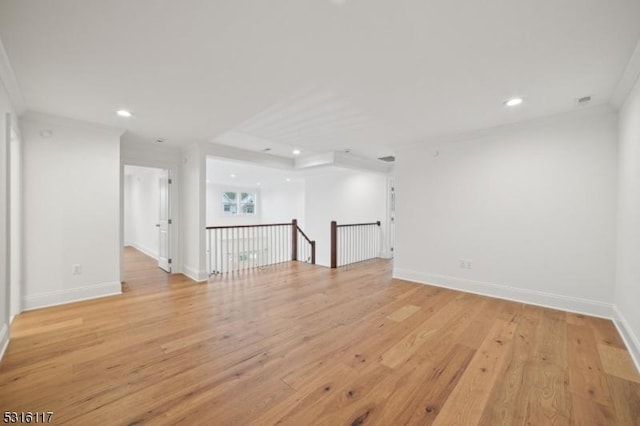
246 197
248 209
229 202
248 203
229 197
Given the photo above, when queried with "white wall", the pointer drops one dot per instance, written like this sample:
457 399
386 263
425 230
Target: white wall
141 210
532 206
282 202
72 214
345 196
276 203
193 212
627 291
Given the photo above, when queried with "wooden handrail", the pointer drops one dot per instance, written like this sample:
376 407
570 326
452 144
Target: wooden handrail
304 235
280 230
248 226
334 238
359 224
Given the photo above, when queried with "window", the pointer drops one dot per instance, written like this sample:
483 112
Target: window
229 202
247 203
234 203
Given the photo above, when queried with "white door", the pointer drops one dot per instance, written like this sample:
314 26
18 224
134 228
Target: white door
164 223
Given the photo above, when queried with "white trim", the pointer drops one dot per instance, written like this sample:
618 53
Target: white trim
228 152
4 340
628 336
54 120
194 274
70 295
10 82
511 128
144 249
538 298
628 79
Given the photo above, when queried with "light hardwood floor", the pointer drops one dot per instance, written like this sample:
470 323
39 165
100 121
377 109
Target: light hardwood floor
299 344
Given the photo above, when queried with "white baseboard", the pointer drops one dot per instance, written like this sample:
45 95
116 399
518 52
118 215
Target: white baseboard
539 298
149 251
630 339
4 340
60 297
194 274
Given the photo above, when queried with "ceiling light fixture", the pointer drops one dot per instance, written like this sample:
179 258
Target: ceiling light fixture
124 113
232 175
513 102
296 152
288 180
258 183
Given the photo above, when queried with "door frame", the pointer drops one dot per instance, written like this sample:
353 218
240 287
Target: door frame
15 238
174 208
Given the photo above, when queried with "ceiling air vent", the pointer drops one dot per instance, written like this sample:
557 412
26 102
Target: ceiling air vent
388 158
583 100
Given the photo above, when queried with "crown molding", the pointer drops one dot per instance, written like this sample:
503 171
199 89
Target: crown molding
510 128
628 79
10 83
54 120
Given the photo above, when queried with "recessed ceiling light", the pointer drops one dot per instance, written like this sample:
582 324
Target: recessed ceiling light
288 180
159 140
232 175
513 102
258 183
296 152
124 113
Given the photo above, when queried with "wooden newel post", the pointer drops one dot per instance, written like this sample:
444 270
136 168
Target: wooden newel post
334 244
294 239
313 252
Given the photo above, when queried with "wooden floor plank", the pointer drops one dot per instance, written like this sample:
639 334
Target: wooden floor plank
468 400
301 344
586 375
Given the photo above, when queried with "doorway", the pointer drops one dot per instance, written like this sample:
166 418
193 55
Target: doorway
147 213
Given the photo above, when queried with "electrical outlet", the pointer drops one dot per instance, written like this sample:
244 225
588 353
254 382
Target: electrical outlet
463 264
469 263
76 269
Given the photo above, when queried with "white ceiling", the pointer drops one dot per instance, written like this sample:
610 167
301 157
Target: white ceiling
319 75
246 174
220 171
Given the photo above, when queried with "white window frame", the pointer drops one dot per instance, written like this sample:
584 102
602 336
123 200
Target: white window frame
239 204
